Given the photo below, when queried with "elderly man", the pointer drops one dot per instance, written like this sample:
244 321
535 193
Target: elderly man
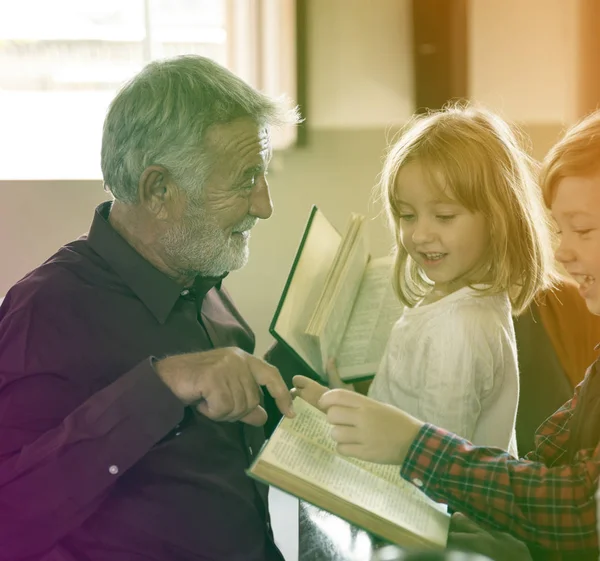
130 402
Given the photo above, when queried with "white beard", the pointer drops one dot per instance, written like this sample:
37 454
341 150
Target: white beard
198 246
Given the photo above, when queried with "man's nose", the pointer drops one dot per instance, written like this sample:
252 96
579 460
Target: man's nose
261 204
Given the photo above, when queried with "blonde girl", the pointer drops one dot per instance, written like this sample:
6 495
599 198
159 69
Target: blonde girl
473 248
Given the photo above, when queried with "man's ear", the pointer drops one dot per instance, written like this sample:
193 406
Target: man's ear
157 192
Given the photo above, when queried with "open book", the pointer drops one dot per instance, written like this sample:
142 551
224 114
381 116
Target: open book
338 302
300 459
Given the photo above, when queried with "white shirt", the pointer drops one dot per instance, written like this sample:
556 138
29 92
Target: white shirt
453 363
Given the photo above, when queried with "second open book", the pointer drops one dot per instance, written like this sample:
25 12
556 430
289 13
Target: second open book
338 302
300 458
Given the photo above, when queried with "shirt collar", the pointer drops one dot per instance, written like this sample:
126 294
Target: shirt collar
156 290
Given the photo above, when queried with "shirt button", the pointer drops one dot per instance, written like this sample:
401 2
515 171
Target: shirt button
185 292
417 482
113 470
250 450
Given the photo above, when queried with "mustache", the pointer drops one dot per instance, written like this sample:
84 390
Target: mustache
247 224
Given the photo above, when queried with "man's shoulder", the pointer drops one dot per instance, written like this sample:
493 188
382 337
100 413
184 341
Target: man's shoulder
73 268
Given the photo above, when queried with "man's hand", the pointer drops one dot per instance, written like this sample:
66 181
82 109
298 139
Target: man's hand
224 384
362 427
466 535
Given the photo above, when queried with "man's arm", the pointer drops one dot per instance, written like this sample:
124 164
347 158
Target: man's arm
63 444
51 480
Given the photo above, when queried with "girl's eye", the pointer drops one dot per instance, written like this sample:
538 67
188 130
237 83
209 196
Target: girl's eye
446 217
407 217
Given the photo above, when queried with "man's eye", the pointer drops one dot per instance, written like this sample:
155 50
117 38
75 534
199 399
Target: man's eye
249 186
583 232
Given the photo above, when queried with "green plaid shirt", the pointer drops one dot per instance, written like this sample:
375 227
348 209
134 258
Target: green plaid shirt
536 499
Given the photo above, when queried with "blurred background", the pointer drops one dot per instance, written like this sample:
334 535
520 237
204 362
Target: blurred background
357 68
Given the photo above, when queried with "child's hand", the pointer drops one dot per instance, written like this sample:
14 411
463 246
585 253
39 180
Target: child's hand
367 429
308 390
333 376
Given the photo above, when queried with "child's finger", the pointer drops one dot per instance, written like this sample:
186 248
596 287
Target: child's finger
309 390
344 398
353 450
341 416
300 381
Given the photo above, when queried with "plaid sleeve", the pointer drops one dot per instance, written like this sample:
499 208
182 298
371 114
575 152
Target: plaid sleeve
553 507
552 435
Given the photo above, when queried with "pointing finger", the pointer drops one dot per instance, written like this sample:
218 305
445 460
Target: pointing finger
268 376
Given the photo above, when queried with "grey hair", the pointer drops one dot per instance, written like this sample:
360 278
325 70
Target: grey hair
161 117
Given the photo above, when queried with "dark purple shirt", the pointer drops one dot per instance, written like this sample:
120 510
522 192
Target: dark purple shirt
98 459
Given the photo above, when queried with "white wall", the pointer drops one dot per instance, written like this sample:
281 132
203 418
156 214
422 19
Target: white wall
523 58
36 218
360 63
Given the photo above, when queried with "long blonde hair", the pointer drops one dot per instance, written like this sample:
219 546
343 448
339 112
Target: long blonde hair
475 155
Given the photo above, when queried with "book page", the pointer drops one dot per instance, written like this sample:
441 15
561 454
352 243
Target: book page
348 249
302 446
375 311
305 283
312 425
345 253
342 301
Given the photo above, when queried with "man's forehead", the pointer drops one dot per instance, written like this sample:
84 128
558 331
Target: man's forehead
239 131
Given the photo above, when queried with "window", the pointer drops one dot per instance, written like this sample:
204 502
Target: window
61 63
